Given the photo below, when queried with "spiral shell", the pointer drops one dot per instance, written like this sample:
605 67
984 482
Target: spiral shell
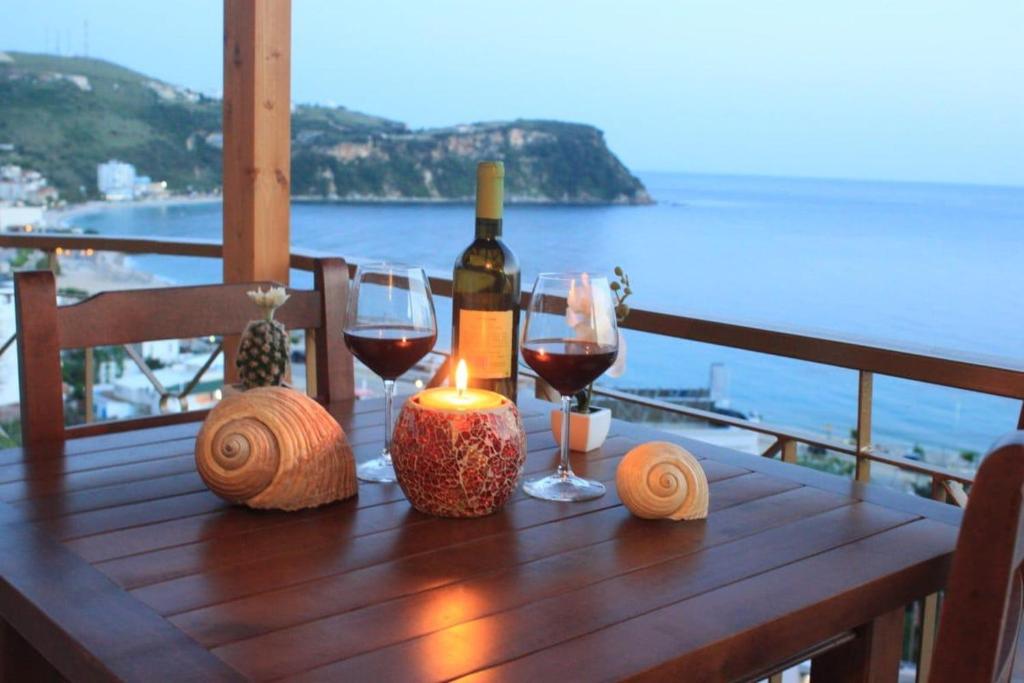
275 448
659 479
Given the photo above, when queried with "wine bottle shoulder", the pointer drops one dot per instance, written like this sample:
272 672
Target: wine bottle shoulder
488 255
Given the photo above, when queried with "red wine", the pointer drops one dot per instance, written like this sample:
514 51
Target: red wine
568 365
389 350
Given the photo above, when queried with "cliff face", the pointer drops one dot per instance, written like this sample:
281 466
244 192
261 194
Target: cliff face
545 161
64 115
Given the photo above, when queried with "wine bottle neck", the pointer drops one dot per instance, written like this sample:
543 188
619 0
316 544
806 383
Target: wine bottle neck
488 228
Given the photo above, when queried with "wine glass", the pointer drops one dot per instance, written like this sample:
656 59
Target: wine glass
570 337
390 325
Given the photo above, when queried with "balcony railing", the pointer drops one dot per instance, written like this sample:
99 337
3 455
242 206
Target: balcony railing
980 374
984 375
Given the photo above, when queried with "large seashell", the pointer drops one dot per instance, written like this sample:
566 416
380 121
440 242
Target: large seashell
659 479
275 448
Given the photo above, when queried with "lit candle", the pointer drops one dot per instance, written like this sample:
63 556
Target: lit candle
461 397
458 451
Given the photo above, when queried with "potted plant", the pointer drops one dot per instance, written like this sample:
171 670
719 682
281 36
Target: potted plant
589 424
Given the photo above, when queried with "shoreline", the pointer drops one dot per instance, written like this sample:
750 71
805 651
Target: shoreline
57 216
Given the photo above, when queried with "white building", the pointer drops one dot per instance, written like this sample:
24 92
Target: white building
116 180
17 216
24 185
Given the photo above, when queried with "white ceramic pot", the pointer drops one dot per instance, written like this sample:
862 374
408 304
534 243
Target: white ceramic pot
586 431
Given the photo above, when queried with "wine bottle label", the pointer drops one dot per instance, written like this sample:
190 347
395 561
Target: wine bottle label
485 343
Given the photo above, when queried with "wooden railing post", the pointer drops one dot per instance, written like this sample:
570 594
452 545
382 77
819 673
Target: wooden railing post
90 382
257 145
310 338
865 390
789 451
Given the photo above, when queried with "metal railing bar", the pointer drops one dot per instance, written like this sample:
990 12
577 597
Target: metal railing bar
202 371
8 343
955 490
773 450
145 369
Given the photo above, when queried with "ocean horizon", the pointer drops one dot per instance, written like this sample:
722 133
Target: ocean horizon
928 266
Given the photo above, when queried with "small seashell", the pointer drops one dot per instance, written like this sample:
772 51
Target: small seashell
275 448
659 479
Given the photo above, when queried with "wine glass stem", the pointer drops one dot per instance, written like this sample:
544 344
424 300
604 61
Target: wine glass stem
389 399
564 468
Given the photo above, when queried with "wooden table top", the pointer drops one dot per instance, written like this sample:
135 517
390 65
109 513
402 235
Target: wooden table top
118 563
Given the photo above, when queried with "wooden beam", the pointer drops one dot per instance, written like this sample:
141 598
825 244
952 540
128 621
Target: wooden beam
257 143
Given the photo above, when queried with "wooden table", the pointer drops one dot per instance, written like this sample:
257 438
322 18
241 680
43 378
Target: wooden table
117 563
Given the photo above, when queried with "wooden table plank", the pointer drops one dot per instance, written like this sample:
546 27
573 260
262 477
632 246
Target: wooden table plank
49 468
123 493
356 629
755 618
222 549
297 557
333 594
301 565
101 632
544 623
92 479
105 442
369 588
180 531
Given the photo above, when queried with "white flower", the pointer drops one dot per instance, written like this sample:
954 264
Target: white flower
269 300
579 309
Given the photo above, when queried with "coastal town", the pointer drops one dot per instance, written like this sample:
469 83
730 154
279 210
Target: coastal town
29 204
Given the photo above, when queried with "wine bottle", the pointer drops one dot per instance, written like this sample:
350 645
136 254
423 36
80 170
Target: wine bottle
485 301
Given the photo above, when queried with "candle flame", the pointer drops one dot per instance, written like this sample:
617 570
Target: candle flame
461 377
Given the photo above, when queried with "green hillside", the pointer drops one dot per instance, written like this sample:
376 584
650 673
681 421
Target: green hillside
66 114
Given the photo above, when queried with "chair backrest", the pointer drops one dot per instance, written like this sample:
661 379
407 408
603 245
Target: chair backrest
131 316
981 614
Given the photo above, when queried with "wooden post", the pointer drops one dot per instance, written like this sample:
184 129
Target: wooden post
865 385
789 451
42 401
257 144
90 383
929 631
872 657
311 362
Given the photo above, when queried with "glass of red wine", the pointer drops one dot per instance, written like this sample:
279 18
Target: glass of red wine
570 337
390 325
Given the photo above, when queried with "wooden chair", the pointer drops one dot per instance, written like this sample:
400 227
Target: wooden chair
128 317
981 615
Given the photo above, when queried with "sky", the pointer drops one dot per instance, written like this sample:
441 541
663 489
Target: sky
919 90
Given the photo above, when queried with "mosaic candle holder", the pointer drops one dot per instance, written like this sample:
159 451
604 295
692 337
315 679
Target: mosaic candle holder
458 462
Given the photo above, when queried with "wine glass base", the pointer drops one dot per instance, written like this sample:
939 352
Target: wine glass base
377 470
566 489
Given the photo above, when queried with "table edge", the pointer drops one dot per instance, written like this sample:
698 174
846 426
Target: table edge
132 642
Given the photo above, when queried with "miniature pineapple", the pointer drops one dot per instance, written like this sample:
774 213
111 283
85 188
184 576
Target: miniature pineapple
263 352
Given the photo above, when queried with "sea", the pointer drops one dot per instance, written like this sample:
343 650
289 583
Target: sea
933 266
